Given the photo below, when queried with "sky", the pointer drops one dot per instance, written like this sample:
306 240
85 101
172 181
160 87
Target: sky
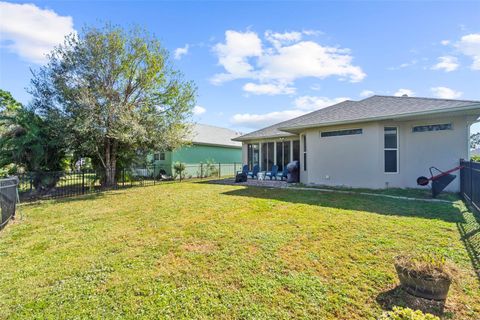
258 63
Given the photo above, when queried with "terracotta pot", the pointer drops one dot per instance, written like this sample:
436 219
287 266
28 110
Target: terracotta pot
432 289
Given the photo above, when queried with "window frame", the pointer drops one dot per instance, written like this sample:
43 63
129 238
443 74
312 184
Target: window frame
359 132
432 125
397 149
161 156
304 138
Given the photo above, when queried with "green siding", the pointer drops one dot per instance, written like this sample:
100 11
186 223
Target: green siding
196 154
201 153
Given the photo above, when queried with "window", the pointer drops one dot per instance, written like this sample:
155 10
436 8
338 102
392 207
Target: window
391 149
341 133
267 155
304 152
252 155
159 156
283 154
432 127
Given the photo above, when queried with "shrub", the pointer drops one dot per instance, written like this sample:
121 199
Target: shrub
426 266
476 158
179 168
399 313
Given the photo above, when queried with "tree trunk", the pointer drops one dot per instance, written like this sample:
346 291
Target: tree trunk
110 162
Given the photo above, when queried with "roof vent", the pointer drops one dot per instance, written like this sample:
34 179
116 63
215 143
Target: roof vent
404 95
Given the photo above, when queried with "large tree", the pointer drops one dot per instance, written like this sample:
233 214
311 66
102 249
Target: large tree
117 94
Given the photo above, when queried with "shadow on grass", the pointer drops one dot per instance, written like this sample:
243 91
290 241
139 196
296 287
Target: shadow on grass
467 222
470 236
398 297
380 205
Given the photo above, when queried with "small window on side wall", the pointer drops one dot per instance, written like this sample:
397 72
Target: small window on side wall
432 127
391 149
162 156
156 156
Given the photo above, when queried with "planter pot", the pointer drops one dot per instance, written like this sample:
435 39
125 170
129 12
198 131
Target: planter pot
432 289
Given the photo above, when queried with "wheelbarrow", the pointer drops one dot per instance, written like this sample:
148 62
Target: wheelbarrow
440 180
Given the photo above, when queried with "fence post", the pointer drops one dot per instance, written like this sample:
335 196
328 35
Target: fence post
219 170
154 175
234 168
201 170
83 180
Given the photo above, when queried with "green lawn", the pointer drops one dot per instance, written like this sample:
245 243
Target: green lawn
198 250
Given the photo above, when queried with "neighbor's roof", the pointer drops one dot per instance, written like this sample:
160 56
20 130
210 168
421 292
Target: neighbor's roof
377 108
369 109
212 135
475 152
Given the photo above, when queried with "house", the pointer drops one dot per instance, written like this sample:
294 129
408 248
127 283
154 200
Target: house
378 142
475 152
209 144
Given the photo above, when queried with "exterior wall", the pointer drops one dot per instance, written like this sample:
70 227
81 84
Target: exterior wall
202 153
195 154
358 160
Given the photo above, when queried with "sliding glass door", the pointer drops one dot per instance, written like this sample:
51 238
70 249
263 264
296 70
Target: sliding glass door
253 155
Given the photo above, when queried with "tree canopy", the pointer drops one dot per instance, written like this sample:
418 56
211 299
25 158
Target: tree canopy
114 93
26 139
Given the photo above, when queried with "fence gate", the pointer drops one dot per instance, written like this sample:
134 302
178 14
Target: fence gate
470 182
8 199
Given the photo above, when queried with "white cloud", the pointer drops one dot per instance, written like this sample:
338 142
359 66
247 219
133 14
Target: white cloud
445 42
446 93
310 103
286 59
198 110
234 53
401 92
268 88
302 105
366 93
446 63
279 39
469 45
257 121
31 32
179 52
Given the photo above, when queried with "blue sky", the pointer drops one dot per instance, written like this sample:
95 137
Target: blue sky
257 63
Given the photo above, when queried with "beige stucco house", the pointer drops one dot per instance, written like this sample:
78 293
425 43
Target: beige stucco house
378 142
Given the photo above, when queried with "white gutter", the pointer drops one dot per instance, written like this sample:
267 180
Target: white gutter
406 115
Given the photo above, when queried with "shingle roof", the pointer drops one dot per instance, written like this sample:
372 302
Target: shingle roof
375 107
273 130
212 135
268 132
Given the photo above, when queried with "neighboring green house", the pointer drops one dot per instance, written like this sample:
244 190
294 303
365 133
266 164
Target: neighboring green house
209 145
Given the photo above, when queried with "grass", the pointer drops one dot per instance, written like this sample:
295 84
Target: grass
199 250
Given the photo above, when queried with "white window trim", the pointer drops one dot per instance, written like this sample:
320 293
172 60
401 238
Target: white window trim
392 149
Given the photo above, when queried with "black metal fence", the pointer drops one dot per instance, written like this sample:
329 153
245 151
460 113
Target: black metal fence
470 182
48 185
8 199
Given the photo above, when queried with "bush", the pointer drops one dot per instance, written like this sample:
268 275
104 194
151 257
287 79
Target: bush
179 168
476 158
210 169
399 313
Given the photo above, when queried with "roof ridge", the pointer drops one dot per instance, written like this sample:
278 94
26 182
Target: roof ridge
428 98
